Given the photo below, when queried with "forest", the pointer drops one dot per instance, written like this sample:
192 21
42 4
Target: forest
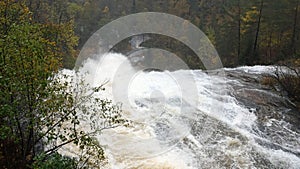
39 38
244 32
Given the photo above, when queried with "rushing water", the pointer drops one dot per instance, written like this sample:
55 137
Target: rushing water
234 122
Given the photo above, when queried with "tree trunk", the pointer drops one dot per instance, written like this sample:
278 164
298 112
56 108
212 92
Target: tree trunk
269 53
239 29
133 10
258 28
293 43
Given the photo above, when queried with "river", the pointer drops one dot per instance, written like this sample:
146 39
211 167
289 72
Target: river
196 119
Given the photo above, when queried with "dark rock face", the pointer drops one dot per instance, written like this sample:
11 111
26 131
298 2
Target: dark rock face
278 119
268 102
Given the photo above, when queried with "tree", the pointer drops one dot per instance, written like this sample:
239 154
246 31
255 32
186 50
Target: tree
294 34
59 16
179 7
38 104
258 29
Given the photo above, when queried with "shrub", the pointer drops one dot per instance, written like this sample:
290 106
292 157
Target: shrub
289 79
268 81
55 161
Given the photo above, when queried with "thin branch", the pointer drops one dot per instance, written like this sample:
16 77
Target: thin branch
50 151
70 112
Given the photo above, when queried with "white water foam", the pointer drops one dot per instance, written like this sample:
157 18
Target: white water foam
160 136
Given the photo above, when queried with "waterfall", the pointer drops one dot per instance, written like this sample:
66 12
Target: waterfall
219 128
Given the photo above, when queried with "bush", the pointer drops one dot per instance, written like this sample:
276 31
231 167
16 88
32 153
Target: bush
55 161
289 79
268 81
